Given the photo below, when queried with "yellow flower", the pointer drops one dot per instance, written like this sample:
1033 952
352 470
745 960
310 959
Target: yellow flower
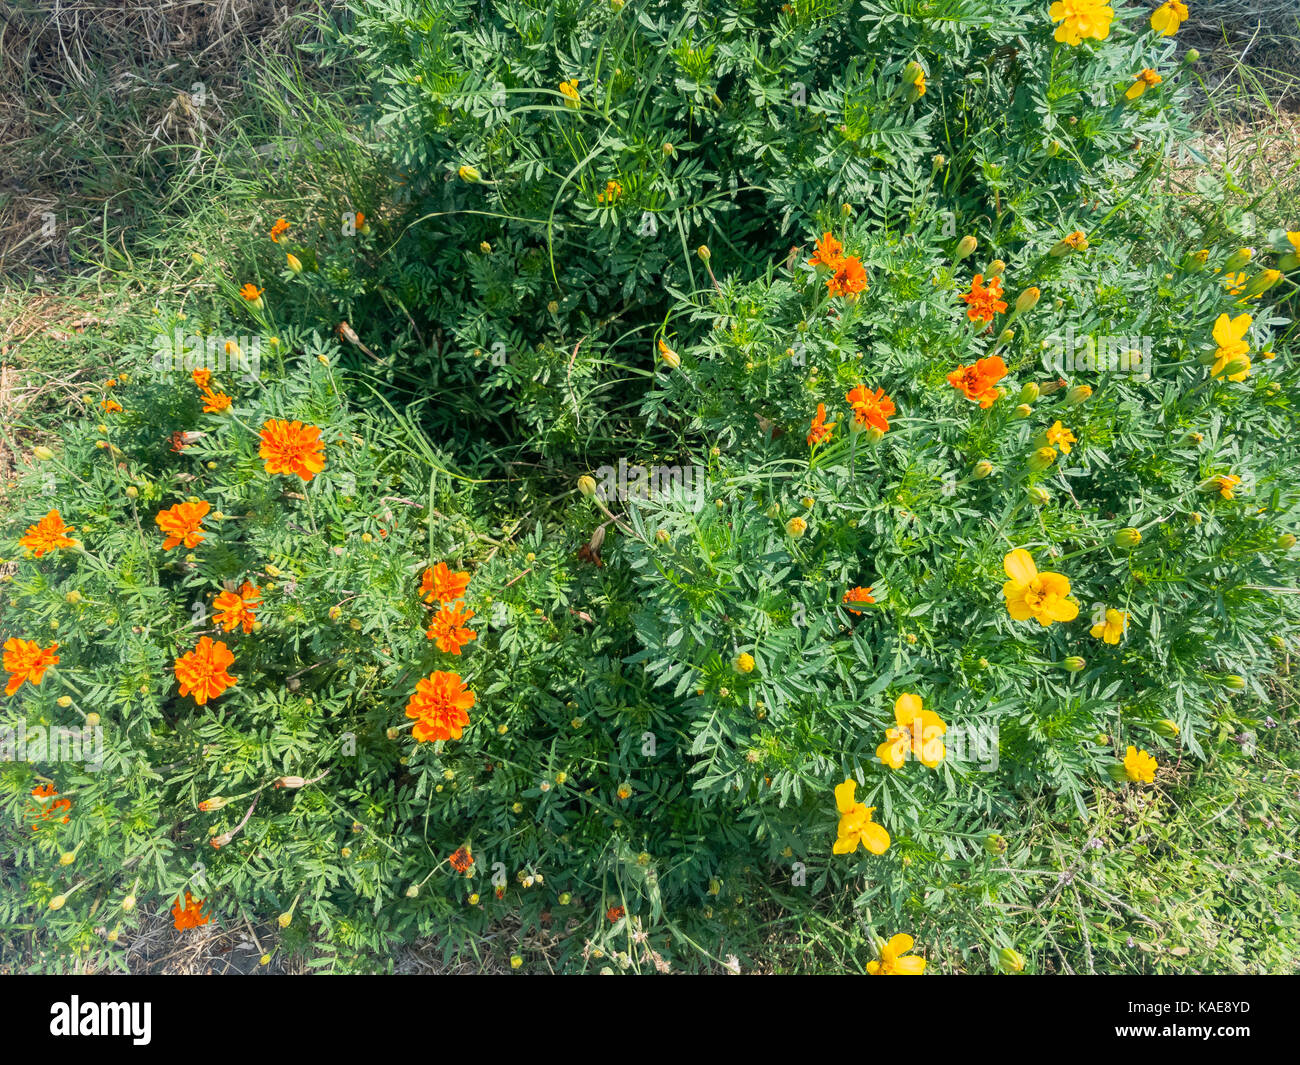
1229 334
1142 81
894 959
796 527
1235 283
916 730
1226 484
1112 629
1166 19
1139 766
1081 18
1059 437
856 825
569 89
1030 594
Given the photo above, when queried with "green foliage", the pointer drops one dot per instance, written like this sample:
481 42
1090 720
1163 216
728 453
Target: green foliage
669 683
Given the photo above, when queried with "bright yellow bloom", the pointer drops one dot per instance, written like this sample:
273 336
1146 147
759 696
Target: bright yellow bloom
1139 766
1226 484
1143 80
1168 17
1059 437
894 959
1112 629
1229 334
1030 594
917 731
569 89
1081 18
856 825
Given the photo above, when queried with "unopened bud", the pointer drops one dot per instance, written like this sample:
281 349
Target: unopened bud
293 262
1024 411
1074 663
1262 282
965 247
1042 458
982 469
1234 682
42 452
1167 728
1028 393
214 803
1078 394
290 782
128 903
995 844
1028 300
796 527
587 486
57 902
1128 537
286 919
1038 495
1011 961
1286 541
470 174
1237 260
703 252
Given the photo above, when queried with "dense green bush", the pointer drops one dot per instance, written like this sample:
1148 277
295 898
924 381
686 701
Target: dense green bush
612 436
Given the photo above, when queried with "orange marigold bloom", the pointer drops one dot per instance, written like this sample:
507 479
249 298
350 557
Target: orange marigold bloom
442 584
849 279
42 810
112 406
48 534
190 914
870 408
984 301
292 447
183 524
251 292
279 229
976 381
238 608
820 432
439 706
461 859
214 402
858 595
614 913
829 253
448 628
202 378
26 660
202 672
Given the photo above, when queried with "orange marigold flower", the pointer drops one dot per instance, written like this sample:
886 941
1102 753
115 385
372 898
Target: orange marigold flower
614 913
202 672
976 381
43 810
251 292
461 859
292 448
829 253
849 279
183 524
214 402
238 608
442 584
190 914
26 660
440 707
202 378
983 301
48 534
279 229
448 628
112 406
870 408
858 595
820 432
